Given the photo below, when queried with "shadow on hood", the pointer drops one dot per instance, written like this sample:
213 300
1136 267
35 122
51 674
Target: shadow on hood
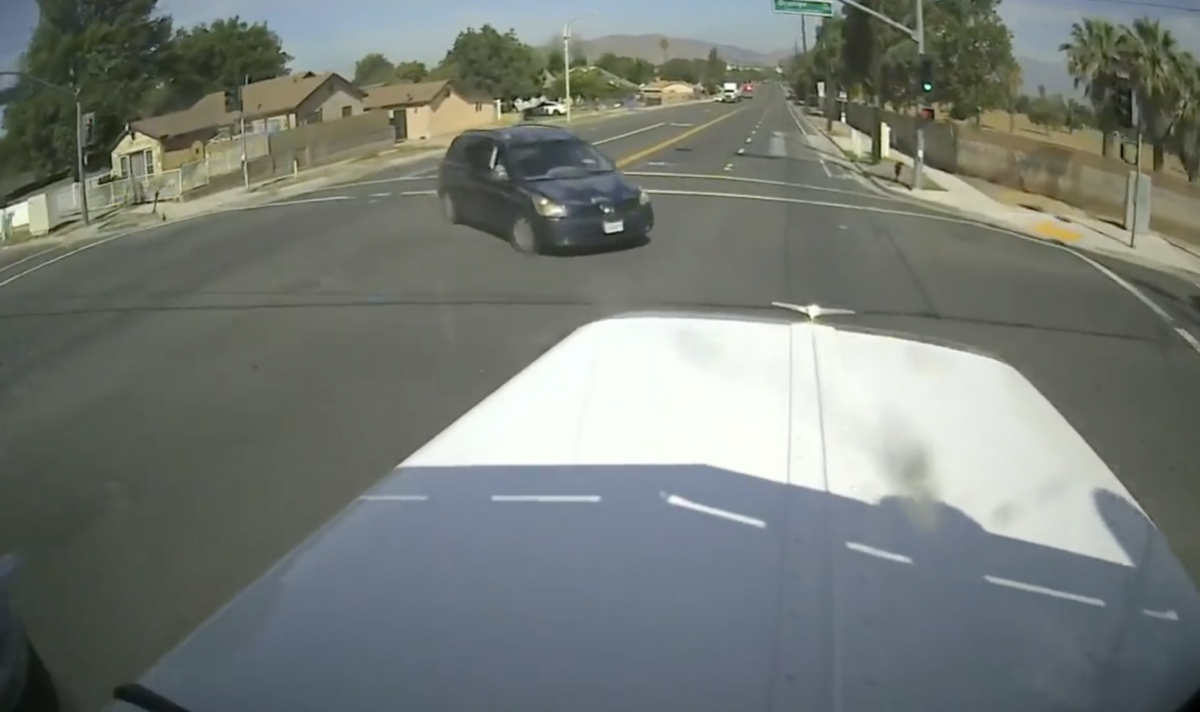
690 587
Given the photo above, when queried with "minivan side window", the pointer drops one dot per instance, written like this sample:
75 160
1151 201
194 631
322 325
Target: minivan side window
478 154
458 148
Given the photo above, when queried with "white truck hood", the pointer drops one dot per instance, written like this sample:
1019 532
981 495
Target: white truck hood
704 513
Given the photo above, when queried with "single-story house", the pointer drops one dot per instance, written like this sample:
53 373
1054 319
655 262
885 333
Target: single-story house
162 143
427 109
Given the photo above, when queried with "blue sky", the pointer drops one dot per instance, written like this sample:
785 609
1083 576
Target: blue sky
333 35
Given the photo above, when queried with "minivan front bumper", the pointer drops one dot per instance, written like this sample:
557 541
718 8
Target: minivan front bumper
576 233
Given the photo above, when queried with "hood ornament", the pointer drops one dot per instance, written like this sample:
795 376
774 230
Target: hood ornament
812 311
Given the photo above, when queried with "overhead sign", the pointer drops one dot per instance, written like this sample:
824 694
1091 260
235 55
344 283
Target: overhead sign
815 8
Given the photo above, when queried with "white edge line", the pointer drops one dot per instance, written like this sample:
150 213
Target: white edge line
17 263
825 166
60 258
393 498
1054 593
1187 336
758 181
677 501
549 498
878 553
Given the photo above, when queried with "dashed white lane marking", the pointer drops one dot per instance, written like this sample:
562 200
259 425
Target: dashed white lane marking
1052 592
393 498
825 166
677 501
878 553
549 498
381 195
1161 615
751 136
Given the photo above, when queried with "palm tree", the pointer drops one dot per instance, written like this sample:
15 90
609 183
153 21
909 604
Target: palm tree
663 44
1156 68
1093 60
1185 136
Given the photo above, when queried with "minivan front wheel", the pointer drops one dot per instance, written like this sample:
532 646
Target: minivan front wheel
523 238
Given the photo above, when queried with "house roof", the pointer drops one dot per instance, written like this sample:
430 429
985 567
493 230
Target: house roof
270 97
414 94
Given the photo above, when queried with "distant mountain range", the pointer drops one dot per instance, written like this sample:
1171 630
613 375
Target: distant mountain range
1048 73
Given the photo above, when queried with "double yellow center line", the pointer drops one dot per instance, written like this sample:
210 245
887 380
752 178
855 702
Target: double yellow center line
639 155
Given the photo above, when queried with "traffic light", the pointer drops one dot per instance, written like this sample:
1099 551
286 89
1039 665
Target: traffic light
1123 103
233 100
926 74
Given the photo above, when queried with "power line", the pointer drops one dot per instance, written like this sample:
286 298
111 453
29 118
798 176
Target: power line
1145 4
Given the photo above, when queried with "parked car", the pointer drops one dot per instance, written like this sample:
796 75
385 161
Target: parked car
543 189
546 108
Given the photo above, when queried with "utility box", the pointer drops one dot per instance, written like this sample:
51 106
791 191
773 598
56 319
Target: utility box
1137 202
885 140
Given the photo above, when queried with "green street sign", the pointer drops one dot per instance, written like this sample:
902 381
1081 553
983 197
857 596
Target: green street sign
816 8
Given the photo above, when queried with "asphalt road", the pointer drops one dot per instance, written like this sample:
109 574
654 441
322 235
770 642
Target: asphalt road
180 407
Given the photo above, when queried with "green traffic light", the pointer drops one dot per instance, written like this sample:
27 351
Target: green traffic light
927 86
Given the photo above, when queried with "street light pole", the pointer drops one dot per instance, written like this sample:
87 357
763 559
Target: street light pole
566 37
85 214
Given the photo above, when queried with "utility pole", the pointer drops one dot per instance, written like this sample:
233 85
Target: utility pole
566 37
242 119
85 214
567 69
917 35
803 35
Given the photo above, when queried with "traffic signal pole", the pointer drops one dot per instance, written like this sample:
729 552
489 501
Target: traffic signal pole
917 35
919 159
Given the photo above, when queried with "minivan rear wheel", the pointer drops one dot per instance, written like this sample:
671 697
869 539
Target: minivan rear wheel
449 209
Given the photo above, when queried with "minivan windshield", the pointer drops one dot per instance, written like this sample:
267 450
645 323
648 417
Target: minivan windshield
564 158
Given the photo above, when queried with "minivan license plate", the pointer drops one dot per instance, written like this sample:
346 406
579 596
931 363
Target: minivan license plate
614 227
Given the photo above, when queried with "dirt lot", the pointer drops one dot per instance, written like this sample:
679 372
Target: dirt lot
1083 140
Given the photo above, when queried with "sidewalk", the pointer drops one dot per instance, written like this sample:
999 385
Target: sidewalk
1032 215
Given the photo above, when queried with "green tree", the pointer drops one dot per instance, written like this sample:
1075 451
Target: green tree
211 57
1093 57
110 51
411 71
638 71
682 70
714 70
374 68
974 41
499 65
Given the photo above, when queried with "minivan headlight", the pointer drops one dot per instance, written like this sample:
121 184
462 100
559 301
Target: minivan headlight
643 197
548 208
